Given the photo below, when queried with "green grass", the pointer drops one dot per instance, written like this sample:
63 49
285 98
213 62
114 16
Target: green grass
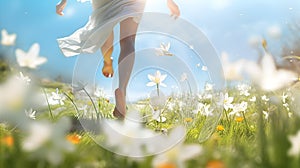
252 142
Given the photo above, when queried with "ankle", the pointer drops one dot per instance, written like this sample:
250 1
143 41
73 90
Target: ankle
108 61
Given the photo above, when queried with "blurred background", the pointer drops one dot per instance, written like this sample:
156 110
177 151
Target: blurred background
235 28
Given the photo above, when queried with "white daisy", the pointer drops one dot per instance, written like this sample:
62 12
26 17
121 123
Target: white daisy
31 59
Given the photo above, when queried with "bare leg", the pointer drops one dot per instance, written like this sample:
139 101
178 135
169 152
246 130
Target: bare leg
128 30
107 50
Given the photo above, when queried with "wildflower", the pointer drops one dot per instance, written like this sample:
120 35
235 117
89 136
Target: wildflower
30 113
267 76
206 111
208 87
189 119
156 115
171 106
56 98
266 114
253 99
26 79
286 105
74 138
164 50
157 79
177 155
284 97
14 92
207 96
215 164
295 148
239 119
8 141
228 102
31 59
47 140
220 128
99 92
232 71
242 107
7 39
39 134
244 89
129 137
265 98
199 108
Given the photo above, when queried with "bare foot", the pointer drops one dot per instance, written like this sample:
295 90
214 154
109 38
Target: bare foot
60 7
120 109
107 69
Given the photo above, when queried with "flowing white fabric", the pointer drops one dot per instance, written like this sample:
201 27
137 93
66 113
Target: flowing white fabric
106 14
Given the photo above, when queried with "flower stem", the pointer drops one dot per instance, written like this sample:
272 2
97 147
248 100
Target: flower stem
157 88
160 120
50 111
246 120
98 114
72 101
227 117
189 85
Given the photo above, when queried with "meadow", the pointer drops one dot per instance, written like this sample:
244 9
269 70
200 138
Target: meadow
47 123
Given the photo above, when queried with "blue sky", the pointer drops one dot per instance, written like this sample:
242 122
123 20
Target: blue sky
228 25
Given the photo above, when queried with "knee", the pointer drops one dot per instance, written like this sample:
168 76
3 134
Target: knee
128 43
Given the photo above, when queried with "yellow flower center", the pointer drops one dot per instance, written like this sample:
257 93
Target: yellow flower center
157 80
74 138
188 119
220 128
239 119
8 141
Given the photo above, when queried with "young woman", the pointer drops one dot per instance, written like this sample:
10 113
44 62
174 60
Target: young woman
98 34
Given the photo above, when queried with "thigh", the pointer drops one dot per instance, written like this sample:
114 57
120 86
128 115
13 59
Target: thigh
128 27
99 3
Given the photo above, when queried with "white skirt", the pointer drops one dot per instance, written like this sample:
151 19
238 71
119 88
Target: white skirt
106 14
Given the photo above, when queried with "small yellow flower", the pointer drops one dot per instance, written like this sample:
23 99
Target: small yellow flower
74 138
239 119
264 44
167 165
215 164
189 119
220 128
8 141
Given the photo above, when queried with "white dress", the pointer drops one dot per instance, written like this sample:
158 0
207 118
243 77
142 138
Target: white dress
106 14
